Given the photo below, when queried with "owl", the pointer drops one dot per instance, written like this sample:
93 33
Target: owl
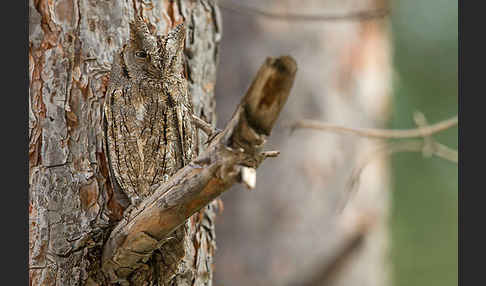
148 130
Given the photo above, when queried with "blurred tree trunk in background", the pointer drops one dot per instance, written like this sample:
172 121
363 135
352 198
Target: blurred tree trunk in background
290 226
283 232
71 203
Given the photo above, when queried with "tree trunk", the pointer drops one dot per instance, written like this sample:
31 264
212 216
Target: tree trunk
72 208
291 226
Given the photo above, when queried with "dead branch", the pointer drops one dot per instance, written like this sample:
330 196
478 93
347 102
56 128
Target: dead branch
432 148
232 156
349 16
428 146
435 149
378 133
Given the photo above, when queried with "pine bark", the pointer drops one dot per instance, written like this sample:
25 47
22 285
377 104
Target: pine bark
72 208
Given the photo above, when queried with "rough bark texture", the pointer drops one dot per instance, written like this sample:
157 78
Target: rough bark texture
72 208
290 225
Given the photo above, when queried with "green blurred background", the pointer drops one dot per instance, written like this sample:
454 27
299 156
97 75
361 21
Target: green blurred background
424 219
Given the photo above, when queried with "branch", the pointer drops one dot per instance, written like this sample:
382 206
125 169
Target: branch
349 16
232 156
435 148
428 146
378 133
431 148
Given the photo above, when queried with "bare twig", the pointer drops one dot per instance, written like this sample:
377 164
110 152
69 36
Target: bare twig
237 149
207 128
378 133
437 149
421 121
428 146
434 147
349 16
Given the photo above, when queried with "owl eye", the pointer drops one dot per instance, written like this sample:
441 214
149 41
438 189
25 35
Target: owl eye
141 54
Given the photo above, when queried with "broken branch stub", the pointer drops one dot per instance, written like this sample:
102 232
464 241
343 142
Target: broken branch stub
266 98
238 147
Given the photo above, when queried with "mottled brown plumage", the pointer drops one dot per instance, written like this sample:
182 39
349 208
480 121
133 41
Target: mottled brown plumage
149 133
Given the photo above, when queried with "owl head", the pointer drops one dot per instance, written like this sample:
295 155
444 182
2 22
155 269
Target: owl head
147 54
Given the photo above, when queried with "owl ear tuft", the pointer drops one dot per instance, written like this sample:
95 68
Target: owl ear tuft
179 35
133 31
140 36
175 39
136 36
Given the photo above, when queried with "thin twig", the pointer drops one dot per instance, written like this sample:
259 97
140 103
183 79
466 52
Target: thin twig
378 133
428 146
435 148
207 128
348 16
